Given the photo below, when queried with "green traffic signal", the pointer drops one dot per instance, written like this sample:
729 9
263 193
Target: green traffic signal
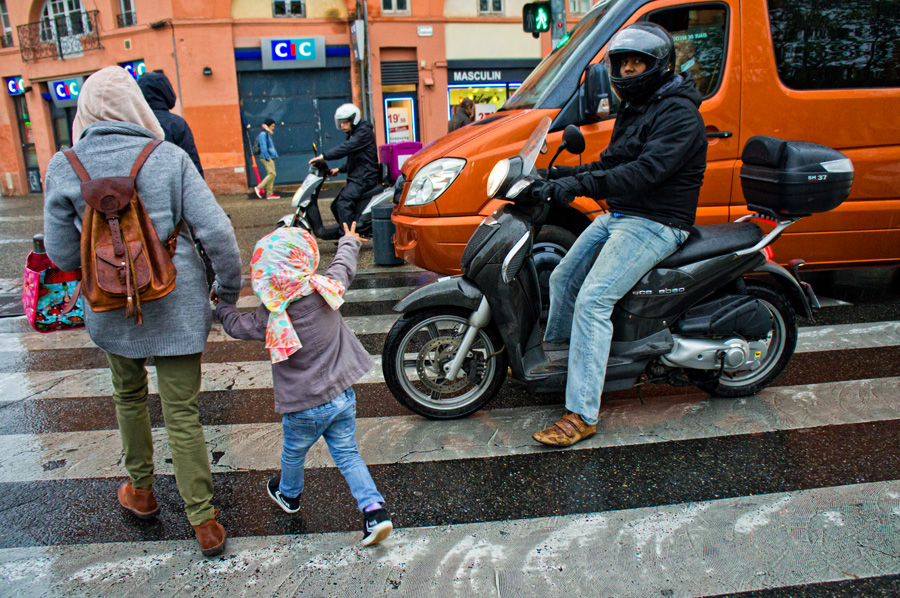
536 17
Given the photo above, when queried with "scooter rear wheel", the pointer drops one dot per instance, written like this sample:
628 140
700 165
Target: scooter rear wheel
419 347
781 340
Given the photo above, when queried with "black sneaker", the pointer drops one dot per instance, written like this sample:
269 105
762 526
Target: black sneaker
289 505
376 527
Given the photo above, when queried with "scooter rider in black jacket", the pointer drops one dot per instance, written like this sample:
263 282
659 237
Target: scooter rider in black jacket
361 166
650 175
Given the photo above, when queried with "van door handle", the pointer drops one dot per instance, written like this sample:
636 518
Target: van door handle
719 135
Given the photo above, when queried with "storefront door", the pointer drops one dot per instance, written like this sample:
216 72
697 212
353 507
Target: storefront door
62 119
26 136
302 104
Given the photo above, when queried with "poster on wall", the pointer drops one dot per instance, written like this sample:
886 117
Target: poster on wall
484 110
399 124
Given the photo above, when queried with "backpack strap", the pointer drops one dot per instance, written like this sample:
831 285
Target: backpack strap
76 165
142 157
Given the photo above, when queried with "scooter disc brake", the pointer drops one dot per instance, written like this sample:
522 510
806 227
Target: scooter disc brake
433 356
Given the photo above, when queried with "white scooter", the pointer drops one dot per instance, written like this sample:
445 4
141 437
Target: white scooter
306 203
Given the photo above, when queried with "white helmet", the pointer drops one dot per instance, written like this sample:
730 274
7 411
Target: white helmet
346 112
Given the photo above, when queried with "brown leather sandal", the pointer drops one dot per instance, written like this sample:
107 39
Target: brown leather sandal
566 432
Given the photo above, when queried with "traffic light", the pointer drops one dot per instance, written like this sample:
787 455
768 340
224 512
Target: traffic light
536 18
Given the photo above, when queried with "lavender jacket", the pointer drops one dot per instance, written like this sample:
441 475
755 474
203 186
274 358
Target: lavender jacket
331 358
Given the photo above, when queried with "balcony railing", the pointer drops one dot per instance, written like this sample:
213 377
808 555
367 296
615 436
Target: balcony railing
6 40
126 19
61 36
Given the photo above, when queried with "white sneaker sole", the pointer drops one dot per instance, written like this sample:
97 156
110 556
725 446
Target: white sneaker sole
279 503
379 533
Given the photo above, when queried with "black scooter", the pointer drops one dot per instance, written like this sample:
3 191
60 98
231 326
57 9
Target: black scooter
704 316
306 203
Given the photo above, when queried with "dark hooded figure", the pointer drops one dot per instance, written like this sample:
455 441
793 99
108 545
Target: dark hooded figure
159 94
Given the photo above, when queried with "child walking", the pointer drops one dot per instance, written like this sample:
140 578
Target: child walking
315 360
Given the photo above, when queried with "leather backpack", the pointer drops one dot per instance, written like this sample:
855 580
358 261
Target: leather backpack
123 261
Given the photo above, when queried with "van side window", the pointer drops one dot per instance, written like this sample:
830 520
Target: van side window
850 45
700 35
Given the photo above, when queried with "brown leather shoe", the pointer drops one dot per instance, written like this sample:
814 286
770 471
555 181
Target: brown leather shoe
566 432
140 501
211 536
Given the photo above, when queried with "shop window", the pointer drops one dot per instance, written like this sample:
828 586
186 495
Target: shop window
579 7
490 7
127 17
700 36
395 6
6 39
488 98
288 8
850 45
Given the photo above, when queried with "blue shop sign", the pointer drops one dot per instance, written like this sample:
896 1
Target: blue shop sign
65 92
292 53
135 68
14 86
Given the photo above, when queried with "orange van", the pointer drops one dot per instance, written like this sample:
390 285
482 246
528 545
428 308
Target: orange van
784 68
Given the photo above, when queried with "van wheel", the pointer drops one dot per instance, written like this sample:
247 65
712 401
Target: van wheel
551 245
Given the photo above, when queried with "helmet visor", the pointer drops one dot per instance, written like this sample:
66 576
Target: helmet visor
635 39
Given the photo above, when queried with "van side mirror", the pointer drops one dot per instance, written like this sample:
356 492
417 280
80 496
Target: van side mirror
596 93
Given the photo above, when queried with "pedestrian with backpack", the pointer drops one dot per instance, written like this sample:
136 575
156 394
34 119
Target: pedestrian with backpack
267 155
107 206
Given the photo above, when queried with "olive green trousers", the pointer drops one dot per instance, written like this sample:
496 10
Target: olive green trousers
179 384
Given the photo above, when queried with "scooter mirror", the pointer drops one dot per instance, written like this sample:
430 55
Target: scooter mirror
573 139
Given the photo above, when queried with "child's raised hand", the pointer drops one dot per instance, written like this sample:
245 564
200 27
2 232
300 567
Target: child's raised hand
352 231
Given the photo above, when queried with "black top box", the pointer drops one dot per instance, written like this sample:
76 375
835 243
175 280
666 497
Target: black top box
793 178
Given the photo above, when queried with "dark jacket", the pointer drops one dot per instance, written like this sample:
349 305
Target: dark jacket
459 119
361 152
159 94
331 358
654 164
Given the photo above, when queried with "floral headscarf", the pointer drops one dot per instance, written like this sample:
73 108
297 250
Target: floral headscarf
282 270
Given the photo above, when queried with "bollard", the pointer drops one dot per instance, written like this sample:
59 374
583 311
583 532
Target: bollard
383 235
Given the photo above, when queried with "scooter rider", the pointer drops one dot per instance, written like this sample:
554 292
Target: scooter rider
650 175
362 162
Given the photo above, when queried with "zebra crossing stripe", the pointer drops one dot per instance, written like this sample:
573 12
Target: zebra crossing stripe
696 549
491 433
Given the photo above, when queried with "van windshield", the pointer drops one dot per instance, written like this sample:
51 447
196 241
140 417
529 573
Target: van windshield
545 75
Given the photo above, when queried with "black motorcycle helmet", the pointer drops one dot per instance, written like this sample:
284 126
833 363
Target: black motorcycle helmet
653 43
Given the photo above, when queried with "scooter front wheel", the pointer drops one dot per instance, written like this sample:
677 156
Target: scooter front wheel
417 352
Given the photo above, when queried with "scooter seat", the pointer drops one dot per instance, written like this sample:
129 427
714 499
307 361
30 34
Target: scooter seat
711 240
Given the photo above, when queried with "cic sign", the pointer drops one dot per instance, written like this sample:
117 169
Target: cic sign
135 68
292 52
65 92
14 86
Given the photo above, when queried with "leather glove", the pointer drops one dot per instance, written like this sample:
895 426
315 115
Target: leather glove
560 192
559 172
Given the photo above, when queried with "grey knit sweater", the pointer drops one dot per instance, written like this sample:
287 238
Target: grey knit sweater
171 190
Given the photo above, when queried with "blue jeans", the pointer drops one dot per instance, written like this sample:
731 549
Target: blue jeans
336 421
582 297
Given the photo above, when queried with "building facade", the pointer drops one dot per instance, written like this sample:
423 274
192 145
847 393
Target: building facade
234 63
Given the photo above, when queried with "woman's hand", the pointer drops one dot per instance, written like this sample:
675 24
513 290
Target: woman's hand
351 232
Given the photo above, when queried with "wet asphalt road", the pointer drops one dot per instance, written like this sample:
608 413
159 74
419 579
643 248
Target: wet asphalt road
795 492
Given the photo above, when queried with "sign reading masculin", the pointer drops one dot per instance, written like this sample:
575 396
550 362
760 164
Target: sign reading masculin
65 92
292 52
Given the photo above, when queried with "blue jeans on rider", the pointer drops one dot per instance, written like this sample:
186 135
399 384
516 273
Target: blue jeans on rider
336 422
583 294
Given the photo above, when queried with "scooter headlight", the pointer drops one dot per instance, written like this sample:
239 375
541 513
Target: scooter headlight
432 180
497 176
